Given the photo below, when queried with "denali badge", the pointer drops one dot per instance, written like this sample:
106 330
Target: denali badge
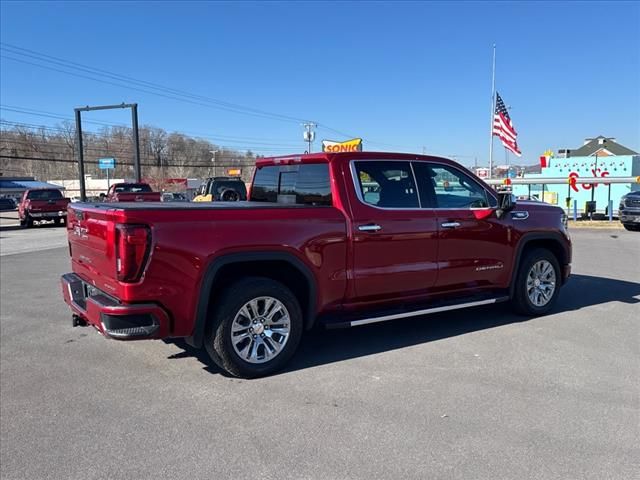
521 215
490 267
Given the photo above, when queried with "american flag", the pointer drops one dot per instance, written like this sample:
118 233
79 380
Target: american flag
503 128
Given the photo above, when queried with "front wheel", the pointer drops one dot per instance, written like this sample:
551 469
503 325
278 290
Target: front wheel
630 227
537 283
255 329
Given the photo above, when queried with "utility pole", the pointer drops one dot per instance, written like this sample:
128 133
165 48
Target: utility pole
213 162
309 135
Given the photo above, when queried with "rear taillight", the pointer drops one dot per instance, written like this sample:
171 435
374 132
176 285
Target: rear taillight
132 250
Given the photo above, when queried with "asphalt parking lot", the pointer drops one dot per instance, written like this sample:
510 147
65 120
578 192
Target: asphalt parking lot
476 394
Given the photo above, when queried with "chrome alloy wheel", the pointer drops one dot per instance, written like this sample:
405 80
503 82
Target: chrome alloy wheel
541 283
260 329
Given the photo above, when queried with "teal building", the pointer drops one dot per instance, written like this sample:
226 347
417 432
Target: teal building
599 157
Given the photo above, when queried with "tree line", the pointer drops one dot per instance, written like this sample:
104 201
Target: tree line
50 153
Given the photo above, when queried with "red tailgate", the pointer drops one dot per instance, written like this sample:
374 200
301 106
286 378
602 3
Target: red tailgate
91 234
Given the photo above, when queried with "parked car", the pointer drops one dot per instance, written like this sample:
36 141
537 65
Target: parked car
42 204
629 211
7 203
222 189
131 192
244 280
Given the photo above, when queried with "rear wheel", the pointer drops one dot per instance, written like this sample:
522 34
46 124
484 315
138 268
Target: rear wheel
255 329
537 283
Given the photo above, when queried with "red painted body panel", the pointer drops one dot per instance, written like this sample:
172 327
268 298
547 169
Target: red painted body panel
411 257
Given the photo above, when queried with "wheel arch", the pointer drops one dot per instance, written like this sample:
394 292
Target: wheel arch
302 283
554 242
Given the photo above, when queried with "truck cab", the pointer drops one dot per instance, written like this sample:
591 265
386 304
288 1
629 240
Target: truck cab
132 192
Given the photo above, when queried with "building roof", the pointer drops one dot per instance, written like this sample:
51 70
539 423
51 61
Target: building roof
594 145
20 184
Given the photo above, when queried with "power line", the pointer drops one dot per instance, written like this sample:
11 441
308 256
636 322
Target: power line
167 92
129 164
214 138
116 76
103 134
159 92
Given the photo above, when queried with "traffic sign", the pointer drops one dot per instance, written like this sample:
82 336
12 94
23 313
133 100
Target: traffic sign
106 163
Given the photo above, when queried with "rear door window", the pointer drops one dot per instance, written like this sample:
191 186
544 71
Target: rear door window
44 195
133 188
297 184
386 184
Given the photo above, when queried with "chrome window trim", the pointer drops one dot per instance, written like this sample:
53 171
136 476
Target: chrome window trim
356 184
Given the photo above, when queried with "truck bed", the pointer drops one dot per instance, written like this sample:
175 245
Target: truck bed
192 205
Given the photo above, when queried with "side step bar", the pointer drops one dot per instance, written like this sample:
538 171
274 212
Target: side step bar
417 313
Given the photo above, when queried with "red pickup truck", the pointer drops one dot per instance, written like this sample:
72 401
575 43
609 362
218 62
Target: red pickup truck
132 192
340 239
42 204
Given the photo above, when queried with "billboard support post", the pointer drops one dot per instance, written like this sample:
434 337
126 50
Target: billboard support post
134 126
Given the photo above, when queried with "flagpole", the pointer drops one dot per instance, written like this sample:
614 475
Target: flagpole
493 110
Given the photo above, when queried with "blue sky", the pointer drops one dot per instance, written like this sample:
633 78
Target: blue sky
404 76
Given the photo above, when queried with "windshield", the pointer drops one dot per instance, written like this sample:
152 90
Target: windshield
44 195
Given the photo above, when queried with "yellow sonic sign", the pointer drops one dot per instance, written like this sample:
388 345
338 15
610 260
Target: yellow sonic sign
354 145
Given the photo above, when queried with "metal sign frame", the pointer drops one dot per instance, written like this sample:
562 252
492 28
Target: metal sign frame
136 141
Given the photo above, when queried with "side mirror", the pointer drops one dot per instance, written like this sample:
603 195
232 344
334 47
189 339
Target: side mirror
506 203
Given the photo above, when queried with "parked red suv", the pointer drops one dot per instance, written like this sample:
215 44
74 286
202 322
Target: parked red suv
340 239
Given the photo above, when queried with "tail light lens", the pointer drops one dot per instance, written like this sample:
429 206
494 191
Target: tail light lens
132 249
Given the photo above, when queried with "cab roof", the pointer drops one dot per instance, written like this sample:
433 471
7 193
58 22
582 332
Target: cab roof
326 157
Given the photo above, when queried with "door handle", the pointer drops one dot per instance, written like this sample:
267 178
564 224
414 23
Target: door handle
370 227
450 225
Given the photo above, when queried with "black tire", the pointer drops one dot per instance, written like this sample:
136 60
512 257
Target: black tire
230 196
218 342
631 227
57 221
520 302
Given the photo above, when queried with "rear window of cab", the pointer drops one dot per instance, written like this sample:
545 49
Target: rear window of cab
44 195
306 184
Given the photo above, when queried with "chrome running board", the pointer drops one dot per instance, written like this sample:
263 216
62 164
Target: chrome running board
426 311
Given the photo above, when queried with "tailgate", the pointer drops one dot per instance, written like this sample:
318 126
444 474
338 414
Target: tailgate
91 235
138 197
47 205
